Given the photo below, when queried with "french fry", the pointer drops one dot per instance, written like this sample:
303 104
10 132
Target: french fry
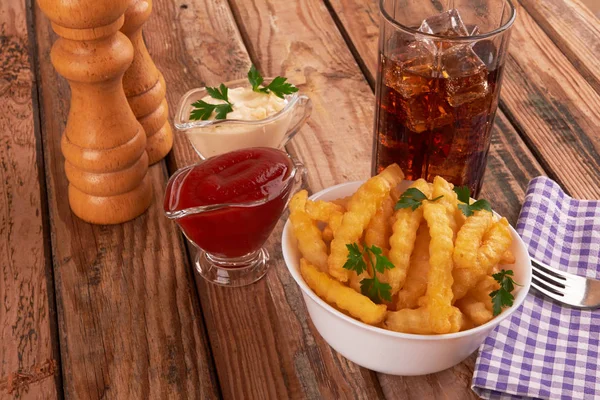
421 321
449 200
416 279
474 310
477 304
328 212
342 201
309 237
377 234
467 271
436 314
361 208
402 241
393 175
439 279
475 258
496 242
343 297
322 210
481 291
409 321
507 258
378 231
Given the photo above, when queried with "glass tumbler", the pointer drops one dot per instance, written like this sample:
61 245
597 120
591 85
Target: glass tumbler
438 84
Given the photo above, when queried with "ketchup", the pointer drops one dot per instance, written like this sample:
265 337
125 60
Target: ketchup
240 177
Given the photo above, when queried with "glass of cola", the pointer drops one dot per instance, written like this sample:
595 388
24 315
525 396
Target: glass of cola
438 84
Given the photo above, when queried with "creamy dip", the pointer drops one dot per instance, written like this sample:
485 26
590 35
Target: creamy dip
247 105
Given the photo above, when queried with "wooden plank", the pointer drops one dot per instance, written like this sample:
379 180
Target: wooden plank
510 167
263 344
574 29
129 317
28 334
555 109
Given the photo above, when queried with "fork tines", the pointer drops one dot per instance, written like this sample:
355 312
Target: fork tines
562 286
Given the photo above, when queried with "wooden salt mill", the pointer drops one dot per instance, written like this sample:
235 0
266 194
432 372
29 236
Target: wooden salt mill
145 86
103 143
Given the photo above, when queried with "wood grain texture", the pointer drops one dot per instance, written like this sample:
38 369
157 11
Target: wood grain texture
129 317
554 107
28 335
574 29
194 43
263 343
299 39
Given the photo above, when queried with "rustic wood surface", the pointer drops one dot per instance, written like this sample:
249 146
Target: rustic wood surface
555 108
28 334
132 318
574 29
128 313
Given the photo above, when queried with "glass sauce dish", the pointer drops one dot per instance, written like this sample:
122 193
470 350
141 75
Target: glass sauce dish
213 137
227 207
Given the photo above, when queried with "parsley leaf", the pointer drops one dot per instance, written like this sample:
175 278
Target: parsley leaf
216 94
376 290
464 195
255 78
413 198
381 262
503 297
355 261
203 110
278 86
370 287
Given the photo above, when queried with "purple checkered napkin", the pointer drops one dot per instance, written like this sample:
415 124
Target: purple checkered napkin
545 349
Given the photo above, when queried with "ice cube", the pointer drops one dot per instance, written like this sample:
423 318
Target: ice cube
466 75
448 23
410 69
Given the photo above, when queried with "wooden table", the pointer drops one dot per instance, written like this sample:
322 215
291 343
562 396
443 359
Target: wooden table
116 312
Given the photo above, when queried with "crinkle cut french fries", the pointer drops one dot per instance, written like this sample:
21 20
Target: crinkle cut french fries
442 260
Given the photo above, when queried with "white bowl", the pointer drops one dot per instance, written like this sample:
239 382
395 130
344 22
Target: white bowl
387 351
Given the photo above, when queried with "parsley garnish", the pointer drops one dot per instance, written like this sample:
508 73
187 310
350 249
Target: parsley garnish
413 198
370 287
503 297
203 110
464 195
278 86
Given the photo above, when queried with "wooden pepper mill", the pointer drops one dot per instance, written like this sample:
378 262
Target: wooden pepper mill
103 143
145 86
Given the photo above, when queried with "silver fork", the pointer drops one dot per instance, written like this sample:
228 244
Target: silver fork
567 288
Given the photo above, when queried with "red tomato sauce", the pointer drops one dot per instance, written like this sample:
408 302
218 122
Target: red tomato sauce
238 177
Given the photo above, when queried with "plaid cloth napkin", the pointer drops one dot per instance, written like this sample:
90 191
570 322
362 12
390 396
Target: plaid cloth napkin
545 349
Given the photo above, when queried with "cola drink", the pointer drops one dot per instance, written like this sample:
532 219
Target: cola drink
436 102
